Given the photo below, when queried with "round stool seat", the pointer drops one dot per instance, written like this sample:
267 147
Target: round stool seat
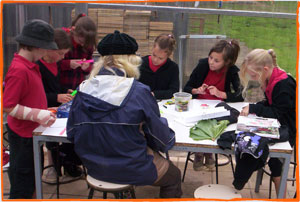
216 191
106 186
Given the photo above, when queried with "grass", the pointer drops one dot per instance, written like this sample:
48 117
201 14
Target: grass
257 32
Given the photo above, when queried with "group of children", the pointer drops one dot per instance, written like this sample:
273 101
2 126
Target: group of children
118 101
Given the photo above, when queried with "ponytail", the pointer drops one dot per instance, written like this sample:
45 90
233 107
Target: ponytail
229 49
166 42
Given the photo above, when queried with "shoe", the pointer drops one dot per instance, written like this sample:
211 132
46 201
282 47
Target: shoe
198 162
49 175
67 179
73 170
209 161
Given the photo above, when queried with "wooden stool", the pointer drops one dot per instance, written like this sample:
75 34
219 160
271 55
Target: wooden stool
216 191
107 187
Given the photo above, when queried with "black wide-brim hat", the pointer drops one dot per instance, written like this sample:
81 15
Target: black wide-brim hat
117 44
37 33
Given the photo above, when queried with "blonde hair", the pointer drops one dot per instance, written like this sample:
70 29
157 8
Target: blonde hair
255 61
129 64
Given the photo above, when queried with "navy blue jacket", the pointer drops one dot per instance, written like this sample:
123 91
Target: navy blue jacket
107 136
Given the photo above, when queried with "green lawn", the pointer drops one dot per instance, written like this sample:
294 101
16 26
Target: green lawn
257 32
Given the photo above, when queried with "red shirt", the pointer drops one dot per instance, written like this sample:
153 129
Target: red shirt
52 67
24 86
216 79
153 67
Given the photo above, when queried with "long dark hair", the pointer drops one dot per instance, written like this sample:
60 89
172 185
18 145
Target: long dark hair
85 27
229 49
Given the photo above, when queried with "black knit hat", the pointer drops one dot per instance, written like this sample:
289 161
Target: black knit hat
37 33
117 44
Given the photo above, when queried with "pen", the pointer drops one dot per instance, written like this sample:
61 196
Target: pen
74 92
165 106
85 61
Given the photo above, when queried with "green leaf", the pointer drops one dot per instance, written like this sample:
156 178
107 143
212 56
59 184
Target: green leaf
208 129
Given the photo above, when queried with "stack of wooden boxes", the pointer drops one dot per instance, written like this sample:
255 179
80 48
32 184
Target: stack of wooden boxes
135 23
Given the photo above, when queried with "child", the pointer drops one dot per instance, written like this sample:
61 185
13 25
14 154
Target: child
83 36
119 131
158 71
25 102
56 95
212 79
280 91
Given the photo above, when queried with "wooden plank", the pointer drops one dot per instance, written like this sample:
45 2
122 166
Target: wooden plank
156 33
117 26
161 26
137 19
110 20
137 13
111 12
140 24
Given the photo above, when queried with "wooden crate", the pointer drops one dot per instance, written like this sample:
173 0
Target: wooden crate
110 12
161 26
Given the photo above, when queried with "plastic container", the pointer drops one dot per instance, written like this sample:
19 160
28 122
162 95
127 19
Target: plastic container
63 110
182 101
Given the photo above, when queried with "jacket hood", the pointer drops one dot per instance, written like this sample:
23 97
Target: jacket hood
104 93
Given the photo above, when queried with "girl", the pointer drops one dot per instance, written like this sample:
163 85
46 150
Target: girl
280 91
213 78
56 95
83 36
158 71
116 126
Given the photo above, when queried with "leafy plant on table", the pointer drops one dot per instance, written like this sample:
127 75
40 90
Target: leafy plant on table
208 129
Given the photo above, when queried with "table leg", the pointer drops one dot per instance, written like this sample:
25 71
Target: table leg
37 167
284 176
259 175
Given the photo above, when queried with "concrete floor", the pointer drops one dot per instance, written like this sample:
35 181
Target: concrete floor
193 179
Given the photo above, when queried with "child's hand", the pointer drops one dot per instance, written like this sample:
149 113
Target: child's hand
74 64
48 118
200 90
70 91
63 98
245 111
214 91
51 120
84 66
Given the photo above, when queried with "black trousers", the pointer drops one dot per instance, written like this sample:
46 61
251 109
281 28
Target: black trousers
21 169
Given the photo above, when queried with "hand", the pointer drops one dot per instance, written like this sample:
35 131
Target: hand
52 109
48 118
245 111
214 91
85 66
63 98
200 90
51 120
74 64
70 91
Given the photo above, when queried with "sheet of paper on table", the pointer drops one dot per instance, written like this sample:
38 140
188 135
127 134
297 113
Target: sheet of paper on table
57 129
